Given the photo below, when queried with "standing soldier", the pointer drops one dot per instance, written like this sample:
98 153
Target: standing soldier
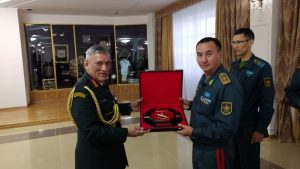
215 110
96 114
255 77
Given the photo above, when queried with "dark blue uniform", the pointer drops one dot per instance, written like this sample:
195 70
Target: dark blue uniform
215 116
292 90
100 137
257 110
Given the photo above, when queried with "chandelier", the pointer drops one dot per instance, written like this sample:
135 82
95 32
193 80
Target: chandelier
256 3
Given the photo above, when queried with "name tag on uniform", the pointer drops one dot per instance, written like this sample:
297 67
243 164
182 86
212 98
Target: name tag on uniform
249 73
206 98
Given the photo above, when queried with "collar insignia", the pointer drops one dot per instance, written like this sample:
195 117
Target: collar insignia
210 82
94 83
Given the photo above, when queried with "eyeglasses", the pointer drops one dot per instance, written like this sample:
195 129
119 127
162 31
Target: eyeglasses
239 42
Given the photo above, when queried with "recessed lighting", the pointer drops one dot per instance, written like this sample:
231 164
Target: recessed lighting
116 13
28 9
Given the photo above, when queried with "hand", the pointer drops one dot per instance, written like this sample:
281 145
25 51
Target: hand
186 130
185 103
135 105
257 137
136 131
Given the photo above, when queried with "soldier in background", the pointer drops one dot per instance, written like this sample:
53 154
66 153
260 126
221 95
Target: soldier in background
255 77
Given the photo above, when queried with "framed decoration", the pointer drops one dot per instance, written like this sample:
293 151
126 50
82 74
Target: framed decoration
61 53
49 84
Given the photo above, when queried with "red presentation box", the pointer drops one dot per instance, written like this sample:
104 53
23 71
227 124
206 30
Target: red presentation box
161 109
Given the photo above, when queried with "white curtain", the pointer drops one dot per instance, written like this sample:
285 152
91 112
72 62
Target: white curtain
189 26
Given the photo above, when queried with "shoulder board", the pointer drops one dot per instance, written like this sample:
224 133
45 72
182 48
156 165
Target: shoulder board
79 94
81 83
259 63
224 78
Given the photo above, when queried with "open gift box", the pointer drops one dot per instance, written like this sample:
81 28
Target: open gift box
161 109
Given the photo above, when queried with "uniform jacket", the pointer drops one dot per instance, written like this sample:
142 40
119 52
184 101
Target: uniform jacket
292 91
215 110
98 145
257 82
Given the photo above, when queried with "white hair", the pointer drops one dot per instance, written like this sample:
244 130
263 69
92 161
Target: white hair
95 49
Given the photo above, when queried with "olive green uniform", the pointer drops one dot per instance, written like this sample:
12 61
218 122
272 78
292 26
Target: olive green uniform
100 137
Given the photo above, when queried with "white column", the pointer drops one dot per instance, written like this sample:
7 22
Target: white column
14 82
264 23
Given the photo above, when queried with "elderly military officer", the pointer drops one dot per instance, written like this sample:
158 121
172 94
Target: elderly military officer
215 110
255 77
96 114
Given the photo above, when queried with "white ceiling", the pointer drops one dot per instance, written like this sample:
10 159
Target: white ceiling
89 7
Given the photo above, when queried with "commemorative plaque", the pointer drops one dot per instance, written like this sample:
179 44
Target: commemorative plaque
161 109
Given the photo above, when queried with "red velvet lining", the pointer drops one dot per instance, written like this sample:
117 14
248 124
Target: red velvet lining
161 90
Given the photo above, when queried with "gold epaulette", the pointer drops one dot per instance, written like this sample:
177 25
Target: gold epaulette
224 78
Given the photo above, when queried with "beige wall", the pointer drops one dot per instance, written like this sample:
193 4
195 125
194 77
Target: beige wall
13 66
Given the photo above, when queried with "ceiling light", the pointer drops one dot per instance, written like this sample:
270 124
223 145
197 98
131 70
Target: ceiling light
45 29
125 40
2 1
258 3
32 39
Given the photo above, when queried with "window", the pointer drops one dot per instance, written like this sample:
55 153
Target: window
189 26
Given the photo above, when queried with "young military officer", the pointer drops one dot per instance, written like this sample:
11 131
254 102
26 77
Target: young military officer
96 114
255 77
215 110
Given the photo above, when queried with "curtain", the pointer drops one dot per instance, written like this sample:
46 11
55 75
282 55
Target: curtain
231 15
296 126
163 20
189 26
286 62
166 43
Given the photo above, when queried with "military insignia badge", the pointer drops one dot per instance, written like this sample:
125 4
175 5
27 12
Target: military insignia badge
226 108
210 82
224 78
259 63
267 82
79 94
